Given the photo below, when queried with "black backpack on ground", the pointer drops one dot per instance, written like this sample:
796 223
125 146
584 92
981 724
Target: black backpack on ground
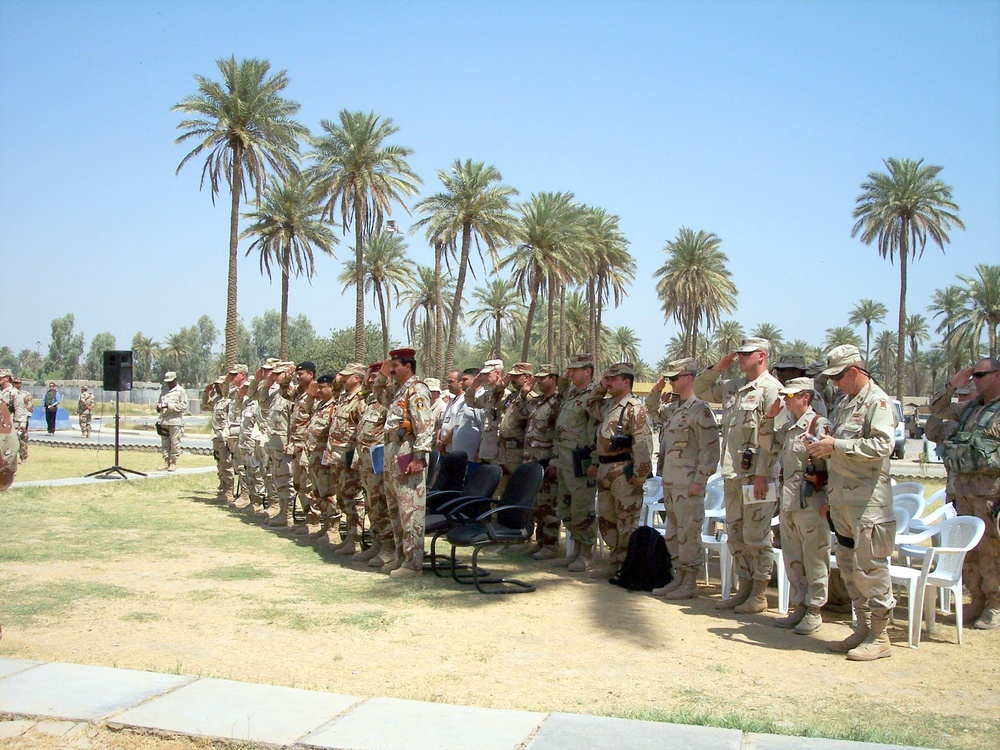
647 562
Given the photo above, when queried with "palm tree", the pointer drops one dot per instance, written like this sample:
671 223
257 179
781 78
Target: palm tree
841 335
387 271
916 333
728 335
694 284
901 210
574 324
420 319
611 269
770 332
246 128
362 176
176 347
868 311
885 354
500 307
550 233
287 225
145 351
626 344
475 206
948 303
982 309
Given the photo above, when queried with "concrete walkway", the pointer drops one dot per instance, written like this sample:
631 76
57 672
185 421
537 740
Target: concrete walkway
66 696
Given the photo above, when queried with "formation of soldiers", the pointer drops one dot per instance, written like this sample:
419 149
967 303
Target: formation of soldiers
19 404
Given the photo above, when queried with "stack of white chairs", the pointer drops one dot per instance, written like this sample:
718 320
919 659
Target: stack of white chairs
714 539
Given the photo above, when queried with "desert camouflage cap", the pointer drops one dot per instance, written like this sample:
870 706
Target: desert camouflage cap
680 367
5 373
841 357
796 385
490 365
621 368
354 368
753 345
521 368
235 369
169 377
433 384
791 360
546 370
581 360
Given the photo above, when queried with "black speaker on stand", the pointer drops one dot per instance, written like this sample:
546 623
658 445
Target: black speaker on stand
117 378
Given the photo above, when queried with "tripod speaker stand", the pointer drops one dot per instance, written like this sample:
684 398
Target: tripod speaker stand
117 377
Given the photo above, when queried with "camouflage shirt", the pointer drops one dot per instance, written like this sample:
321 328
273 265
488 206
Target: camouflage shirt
492 403
864 431
372 424
790 441
302 405
625 416
984 439
574 426
318 431
86 403
540 432
689 442
174 402
346 417
408 418
517 408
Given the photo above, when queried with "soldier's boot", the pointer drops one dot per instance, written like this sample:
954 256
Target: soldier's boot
857 637
579 565
405 573
688 588
368 554
283 517
974 609
348 546
227 497
756 602
166 464
565 562
383 558
876 645
672 586
321 532
171 466
393 564
347 539
545 553
811 622
793 618
742 594
256 507
990 619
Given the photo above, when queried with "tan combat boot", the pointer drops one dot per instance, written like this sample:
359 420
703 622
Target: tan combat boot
171 466
382 559
738 598
565 562
756 602
348 546
582 561
990 618
321 532
793 618
545 553
974 609
672 586
876 645
370 553
811 622
688 588
283 517
392 564
405 573
857 637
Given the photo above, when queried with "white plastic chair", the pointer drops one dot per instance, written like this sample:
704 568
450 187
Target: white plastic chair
717 542
779 561
902 487
909 553
652 503
912 502
942 568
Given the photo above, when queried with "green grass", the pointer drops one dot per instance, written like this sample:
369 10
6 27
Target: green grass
33 604
374 619
48 462
235 573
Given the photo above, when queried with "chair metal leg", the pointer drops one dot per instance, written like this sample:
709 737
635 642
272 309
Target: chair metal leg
506 585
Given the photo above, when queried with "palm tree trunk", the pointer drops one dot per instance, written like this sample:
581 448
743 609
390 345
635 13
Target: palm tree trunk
284 312
562 326
497 339
551 308
456 311
901 333
234 234
384 314
530 320
439 364
359 280
868 341
591 315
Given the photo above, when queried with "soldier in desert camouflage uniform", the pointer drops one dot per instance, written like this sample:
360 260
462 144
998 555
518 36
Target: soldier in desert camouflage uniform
689 455
249 448
487 393
805 535
21 427
747 459
171 407
343 429
315 454
515 409
13 399
371 431
85 410
538 440
236 377
409 437
278 412
298 393
857 454
624 460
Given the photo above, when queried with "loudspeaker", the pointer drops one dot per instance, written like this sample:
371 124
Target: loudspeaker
118 370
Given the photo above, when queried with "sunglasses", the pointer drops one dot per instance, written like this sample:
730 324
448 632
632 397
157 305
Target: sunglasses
839 375
983 374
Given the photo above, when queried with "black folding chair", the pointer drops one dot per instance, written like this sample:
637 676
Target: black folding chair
480 484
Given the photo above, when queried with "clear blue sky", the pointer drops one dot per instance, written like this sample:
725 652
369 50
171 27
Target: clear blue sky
754 120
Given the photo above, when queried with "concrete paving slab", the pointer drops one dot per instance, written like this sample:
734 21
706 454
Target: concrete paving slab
783 742
238 711
59 728
11 729
573 731
393 724
84 693
13 666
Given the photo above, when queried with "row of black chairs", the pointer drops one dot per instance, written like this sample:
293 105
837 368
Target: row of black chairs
461 508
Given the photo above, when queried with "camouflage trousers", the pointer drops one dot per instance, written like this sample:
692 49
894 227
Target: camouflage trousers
805 548
252 472
749 529
347 488
322 481
547 525
22 439
618 506
685 517
509 459
865 569
406 495
375 502
85 419
302 486
576 506
281 474
227 465
170 444
981 572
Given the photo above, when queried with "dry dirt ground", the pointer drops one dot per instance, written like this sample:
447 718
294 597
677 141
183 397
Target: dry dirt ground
182 585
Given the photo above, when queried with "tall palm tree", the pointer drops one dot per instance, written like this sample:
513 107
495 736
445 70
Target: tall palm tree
176 348
770 332
948 303
916 333
868 311
841 335
610 270
245 127
288 225
360 177
900 210
500 307
694 284
884 353
981 311
574 323
728 335
145 351
422 314
549 234
387 271
474 207
626 344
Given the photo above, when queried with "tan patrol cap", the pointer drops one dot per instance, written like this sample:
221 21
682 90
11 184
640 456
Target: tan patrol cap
354 368
681 367
581 360
235 369
621 368
841 357
490 365
753 345
520 368
433 384
546 370
169 377
5 373
796 385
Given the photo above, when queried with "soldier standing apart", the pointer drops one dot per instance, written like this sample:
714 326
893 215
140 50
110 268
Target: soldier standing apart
805 535
171 406
21 426
85 410
972 457
409 437
315 455
746 460
572 445
343 430
487 393
51 402
689 455
371 431
861 499
515 410
624 455
539 436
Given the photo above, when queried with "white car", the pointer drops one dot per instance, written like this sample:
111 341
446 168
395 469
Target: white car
900 446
